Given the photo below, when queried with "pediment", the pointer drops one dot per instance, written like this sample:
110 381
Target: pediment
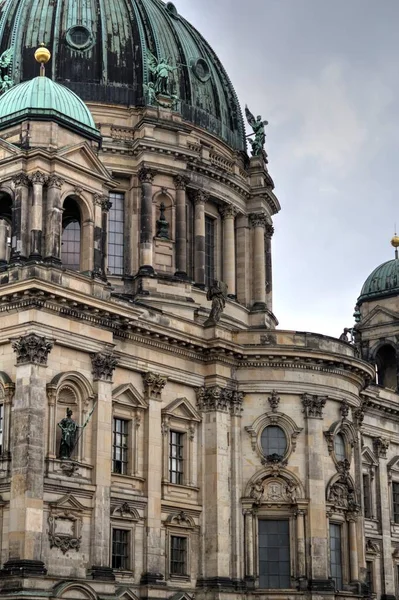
125 594
83 156
128 395
181 408
368 457
68 502
181 596
8 150
393 465
379 316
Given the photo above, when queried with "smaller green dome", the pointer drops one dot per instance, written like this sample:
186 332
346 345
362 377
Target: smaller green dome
383 281
41 99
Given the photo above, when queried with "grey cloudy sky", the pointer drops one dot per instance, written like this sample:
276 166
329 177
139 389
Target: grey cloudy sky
325 75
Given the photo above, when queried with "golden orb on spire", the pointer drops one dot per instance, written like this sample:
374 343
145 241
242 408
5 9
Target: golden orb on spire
395 241
42 55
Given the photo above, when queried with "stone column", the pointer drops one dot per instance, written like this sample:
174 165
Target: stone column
200 199
249 546
181 226
154 551
8 400
258 222
215 401
3 242
353 556
300 536
101 206
51 399
20 220
236 401
388 578
38 180
269 231
316 490
103 366
229 212
146 177
28 451
53 220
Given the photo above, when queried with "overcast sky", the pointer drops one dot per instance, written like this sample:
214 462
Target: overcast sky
324 73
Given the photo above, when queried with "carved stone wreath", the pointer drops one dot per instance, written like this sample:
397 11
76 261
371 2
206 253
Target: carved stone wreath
64 531
285 422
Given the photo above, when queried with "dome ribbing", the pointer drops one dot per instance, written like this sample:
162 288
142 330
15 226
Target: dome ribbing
383 281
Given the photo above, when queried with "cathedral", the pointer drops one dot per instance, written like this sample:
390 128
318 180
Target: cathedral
160 437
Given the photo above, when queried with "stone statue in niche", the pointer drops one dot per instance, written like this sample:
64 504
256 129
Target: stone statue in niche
162 224
69 429
217 294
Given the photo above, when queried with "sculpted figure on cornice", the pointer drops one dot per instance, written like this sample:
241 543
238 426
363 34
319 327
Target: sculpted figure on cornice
103 366
217 294
32 348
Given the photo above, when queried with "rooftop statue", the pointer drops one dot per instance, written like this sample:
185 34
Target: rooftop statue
258 127
162 87
5 61
217 294
69 429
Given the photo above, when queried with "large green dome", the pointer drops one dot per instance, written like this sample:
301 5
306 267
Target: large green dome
43 99
102 51
383 281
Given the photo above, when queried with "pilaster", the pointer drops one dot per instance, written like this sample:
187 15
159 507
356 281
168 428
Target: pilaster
38 180
146 177
200 199
258 222
53 220
20 220
181 226
229 212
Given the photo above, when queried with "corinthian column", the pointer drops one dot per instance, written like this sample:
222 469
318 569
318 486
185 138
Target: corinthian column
53 220
269 230
20 220
38 180
228 212
200 199
146 177
259 221
181 226
353 556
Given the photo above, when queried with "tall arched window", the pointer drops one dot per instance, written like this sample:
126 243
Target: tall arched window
5 227
386 367
115 233
71 234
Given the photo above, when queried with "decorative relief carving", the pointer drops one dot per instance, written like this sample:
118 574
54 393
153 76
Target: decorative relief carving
21 179
269 230
69 467
55 181
341 491
258 220
372 547
181 519
344 409
124 511
103 201
153 385
274 400
359 413
32 348
381 446
181 182
38 178
146 175
65 524
103 366
78 190
274 489
313 406
217 398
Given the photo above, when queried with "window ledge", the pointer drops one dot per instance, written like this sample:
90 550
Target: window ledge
179 577
181 486
122 476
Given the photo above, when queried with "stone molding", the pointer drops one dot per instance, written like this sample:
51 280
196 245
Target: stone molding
32 348
55 181
181 182
103 366
289 427
146 175
381 446
313 406
153 385
274 401
258 220
228 211
344 409
200 197
38 177
216 398
20 180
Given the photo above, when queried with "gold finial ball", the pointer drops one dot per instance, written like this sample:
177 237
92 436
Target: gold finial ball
395 241
42 55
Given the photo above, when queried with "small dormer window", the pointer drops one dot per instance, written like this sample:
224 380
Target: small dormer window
79 37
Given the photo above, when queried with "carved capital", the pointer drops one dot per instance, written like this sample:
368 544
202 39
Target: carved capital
358 414
38 177
21 180
181 182
236 401
258 220
313 406
78 190
32 348
216 398
153 385
269 230
146 175
274 400
200 197
55 181
381 446
103 201
228 211
103 366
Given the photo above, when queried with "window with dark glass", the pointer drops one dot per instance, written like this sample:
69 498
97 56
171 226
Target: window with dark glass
339 447
178 555
120 549
368 510
1 427
71 235
209 250
274 554
336 555
120 446
273 441
370 576
395 496
176 457
115 233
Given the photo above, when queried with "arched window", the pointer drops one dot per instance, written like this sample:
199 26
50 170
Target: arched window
115 233
386 367
71 234
273 441
339 447
5 227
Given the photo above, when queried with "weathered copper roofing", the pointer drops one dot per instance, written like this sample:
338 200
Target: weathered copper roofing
383 281
99 50
43 99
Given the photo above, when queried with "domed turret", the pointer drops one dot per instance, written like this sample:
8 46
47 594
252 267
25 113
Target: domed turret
383 281
105 52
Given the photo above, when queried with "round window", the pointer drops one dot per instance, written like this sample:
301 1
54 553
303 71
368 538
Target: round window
79 37
273 441
339 447
201 70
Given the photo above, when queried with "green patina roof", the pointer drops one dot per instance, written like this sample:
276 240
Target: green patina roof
43 99
383 281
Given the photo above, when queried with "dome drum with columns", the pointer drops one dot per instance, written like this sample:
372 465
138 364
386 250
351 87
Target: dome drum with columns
160 437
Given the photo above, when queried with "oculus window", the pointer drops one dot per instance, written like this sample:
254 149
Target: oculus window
273 441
